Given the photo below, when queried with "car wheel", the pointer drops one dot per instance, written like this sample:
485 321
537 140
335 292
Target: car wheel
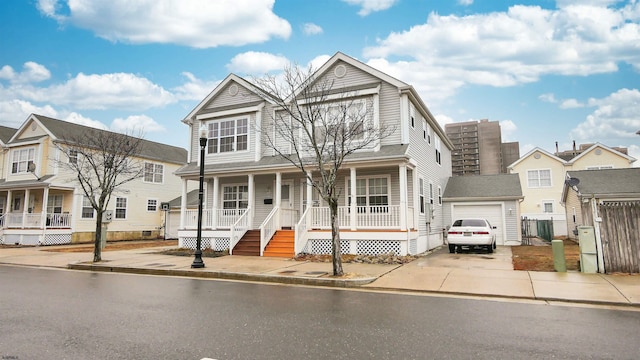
452 248
490 249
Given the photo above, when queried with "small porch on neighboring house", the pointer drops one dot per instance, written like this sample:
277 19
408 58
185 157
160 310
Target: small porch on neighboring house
33 213
281 215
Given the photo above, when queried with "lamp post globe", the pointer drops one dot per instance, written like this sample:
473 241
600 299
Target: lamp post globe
197 255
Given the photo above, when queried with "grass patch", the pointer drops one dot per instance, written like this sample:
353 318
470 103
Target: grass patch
540 258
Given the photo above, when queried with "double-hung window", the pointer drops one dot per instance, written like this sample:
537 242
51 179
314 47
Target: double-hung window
421 190
344 122
438 152
228 135
87 208
22 159
235 197
121 208
372 195
539 178
153 173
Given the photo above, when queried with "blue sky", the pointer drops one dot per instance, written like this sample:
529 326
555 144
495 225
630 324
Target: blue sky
547 70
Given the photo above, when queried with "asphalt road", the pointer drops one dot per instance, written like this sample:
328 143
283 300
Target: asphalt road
56 314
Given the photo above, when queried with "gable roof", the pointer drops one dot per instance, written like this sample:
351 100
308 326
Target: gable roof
6 133
533 151
604 147
483 187
60 130
612 182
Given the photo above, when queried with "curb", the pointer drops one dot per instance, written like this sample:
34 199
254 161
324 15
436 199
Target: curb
327 282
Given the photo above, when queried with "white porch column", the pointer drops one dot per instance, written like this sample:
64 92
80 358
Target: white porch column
403 197
45 201
353 219
278 195
214 206
309 200
183 203
252 199
416 196
25 208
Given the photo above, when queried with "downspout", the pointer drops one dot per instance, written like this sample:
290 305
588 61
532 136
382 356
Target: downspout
596 226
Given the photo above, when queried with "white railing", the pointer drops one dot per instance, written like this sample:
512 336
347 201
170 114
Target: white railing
58 220
300 233
367 217
238 229
268 228
191 219
34 220
227 217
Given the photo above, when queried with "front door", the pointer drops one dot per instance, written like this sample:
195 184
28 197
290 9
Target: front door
287 212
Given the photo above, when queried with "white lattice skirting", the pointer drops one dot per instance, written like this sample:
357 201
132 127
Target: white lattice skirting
56 239
363 247
217 244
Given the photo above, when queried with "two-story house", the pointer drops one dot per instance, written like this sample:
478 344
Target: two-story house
252 192
45 205
543 175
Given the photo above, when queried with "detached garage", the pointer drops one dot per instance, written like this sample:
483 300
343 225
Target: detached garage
493 197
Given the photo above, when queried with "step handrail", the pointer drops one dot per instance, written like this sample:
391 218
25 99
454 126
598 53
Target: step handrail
268 228
301 230
238 229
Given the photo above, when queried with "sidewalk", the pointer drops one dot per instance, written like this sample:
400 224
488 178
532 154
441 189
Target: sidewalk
488 275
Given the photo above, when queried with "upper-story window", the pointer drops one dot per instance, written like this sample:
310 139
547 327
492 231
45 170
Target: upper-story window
412 116
22 158
539 178
421 191
73 156
599 167
438 153
228 135
153 173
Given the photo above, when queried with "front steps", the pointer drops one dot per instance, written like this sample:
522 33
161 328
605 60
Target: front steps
249 245
281 245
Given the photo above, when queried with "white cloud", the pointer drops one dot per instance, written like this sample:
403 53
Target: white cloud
443 120
194 88
136 124
634 152
615 118
194 23
465 2
548 97
257 63
14 112
511 48
570 104
369 6
76 118
507 129
32 72
311 29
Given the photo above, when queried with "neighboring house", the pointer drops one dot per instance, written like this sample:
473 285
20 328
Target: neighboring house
398 183
609 201
542 176
6 133
493 197
45 204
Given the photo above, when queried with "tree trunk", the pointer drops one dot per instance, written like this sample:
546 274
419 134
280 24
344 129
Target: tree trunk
97 248
336 251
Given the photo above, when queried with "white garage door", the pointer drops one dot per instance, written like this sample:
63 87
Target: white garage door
491 212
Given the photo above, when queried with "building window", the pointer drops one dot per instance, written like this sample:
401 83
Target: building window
599 167
421 190
439 195
424 130
343 118
87 209
438 153
153 173
152 204
412 116
431 193
235 197
539 178
22 159
121 208
228 135
372 195
73 156
54 204
547 207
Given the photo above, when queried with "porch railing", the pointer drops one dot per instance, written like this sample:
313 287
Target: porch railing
268 228
238 229
2 221
367 217
224 218
34 220
300 233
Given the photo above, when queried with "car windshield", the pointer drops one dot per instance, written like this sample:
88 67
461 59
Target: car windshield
470 222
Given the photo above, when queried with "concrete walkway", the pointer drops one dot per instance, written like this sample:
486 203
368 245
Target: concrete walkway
490 275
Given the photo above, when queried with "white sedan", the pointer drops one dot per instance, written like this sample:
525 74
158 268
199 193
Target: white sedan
471 232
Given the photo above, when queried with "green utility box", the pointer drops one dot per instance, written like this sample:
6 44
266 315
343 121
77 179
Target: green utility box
588 251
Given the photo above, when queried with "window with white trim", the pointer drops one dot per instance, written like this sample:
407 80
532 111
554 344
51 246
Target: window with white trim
421 191
598 167
87 208
235 197
412 116
22 159
438 153
153 173
430 193
73 156
152 205
228 135
372 194
547 207
439 195
425 131
121 208
54 204
539 178
343 118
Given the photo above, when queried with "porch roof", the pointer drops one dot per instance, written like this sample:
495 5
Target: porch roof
23 184
483 187
388 152
611 182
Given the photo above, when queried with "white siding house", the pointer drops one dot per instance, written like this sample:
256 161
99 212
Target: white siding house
398 182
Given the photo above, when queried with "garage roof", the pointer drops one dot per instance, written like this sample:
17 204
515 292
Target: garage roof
483 187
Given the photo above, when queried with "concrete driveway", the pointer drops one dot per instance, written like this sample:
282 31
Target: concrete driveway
500 259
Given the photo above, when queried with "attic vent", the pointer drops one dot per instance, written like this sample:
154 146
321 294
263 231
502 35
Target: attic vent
233 90
340 71
598 151
536 155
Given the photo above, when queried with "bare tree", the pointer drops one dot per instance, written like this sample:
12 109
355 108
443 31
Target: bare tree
322 126
101 162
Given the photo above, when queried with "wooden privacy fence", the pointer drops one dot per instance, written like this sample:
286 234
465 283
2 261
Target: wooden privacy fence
620 232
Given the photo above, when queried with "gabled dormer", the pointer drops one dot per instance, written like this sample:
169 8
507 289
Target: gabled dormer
28 152
599 156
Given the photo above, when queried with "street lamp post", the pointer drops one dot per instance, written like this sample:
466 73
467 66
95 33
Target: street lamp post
197 260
